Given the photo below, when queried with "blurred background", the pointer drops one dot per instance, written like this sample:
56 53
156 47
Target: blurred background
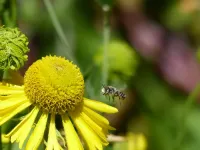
149 49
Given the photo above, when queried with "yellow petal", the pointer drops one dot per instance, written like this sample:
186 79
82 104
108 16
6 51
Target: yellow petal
100 120
12 97
11 86
99 106
12 113
73 141
38 133
95 127
6 89
11 102
20 125
52 143
6 110
91 139
25 125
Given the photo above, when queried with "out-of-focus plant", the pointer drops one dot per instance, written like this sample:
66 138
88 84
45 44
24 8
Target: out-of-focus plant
8 12
2 2
105 2
180 14
198 54
194 29
59 29
122 60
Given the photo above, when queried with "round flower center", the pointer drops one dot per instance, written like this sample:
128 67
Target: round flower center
54 84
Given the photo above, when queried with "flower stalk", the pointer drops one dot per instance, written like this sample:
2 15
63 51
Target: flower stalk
59 29
106 39
182 127
10 14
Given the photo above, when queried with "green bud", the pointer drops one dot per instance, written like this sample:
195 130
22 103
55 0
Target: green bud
13 48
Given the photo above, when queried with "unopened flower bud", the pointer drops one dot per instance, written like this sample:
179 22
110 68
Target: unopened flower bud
13 48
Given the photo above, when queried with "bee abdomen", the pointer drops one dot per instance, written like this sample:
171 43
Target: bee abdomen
122 95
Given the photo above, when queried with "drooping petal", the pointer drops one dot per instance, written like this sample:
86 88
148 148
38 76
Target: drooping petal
5 139
73 141
12 112
95 127
12 97
52 143
92 140
10 107
12 101
100 120
6 89
38 133
99 106
25 125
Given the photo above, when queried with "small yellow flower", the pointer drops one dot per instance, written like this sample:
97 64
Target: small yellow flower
132 141
54 86
4 139
136 141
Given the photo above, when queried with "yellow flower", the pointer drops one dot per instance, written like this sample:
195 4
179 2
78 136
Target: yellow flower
132 141
54 86
4 139
136 141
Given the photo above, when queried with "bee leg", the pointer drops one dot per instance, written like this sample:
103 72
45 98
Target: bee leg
119 101
107 96
113 98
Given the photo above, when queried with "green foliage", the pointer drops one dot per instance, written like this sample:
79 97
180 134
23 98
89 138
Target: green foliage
105 2
175 18
198 54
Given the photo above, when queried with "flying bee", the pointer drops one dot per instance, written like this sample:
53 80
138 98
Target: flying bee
112 92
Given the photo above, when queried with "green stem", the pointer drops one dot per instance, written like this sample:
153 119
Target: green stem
58 28
106 39
13 12
10 14
182 127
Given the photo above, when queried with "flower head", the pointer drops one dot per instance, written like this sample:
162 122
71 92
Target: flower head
54 86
